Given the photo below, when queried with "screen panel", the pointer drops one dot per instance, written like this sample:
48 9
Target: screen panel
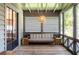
77 22
68 22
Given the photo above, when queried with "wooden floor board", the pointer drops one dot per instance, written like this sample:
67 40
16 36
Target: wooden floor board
39 50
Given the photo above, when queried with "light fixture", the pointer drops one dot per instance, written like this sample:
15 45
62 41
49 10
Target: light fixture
42 19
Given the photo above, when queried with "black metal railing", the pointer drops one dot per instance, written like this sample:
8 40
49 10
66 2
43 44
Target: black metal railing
68 43
77 46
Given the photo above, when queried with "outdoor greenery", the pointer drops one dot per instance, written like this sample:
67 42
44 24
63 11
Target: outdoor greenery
68 22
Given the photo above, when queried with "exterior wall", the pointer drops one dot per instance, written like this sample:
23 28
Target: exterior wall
32 24
2 27
51 24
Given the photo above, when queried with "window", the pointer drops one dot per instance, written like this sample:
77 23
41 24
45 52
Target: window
11 26
14 25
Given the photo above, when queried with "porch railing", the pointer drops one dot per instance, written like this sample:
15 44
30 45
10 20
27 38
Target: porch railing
77 46
68 43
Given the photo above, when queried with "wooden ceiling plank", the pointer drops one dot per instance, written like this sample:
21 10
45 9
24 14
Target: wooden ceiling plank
42 6
38 8
46 8
55 7
29 7
67 6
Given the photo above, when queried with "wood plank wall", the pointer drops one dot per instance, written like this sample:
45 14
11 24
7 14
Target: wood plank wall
42 12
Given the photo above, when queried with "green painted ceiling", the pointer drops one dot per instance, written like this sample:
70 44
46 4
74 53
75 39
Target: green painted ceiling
45 6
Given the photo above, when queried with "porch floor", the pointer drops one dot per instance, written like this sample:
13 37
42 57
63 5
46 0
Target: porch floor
41 50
